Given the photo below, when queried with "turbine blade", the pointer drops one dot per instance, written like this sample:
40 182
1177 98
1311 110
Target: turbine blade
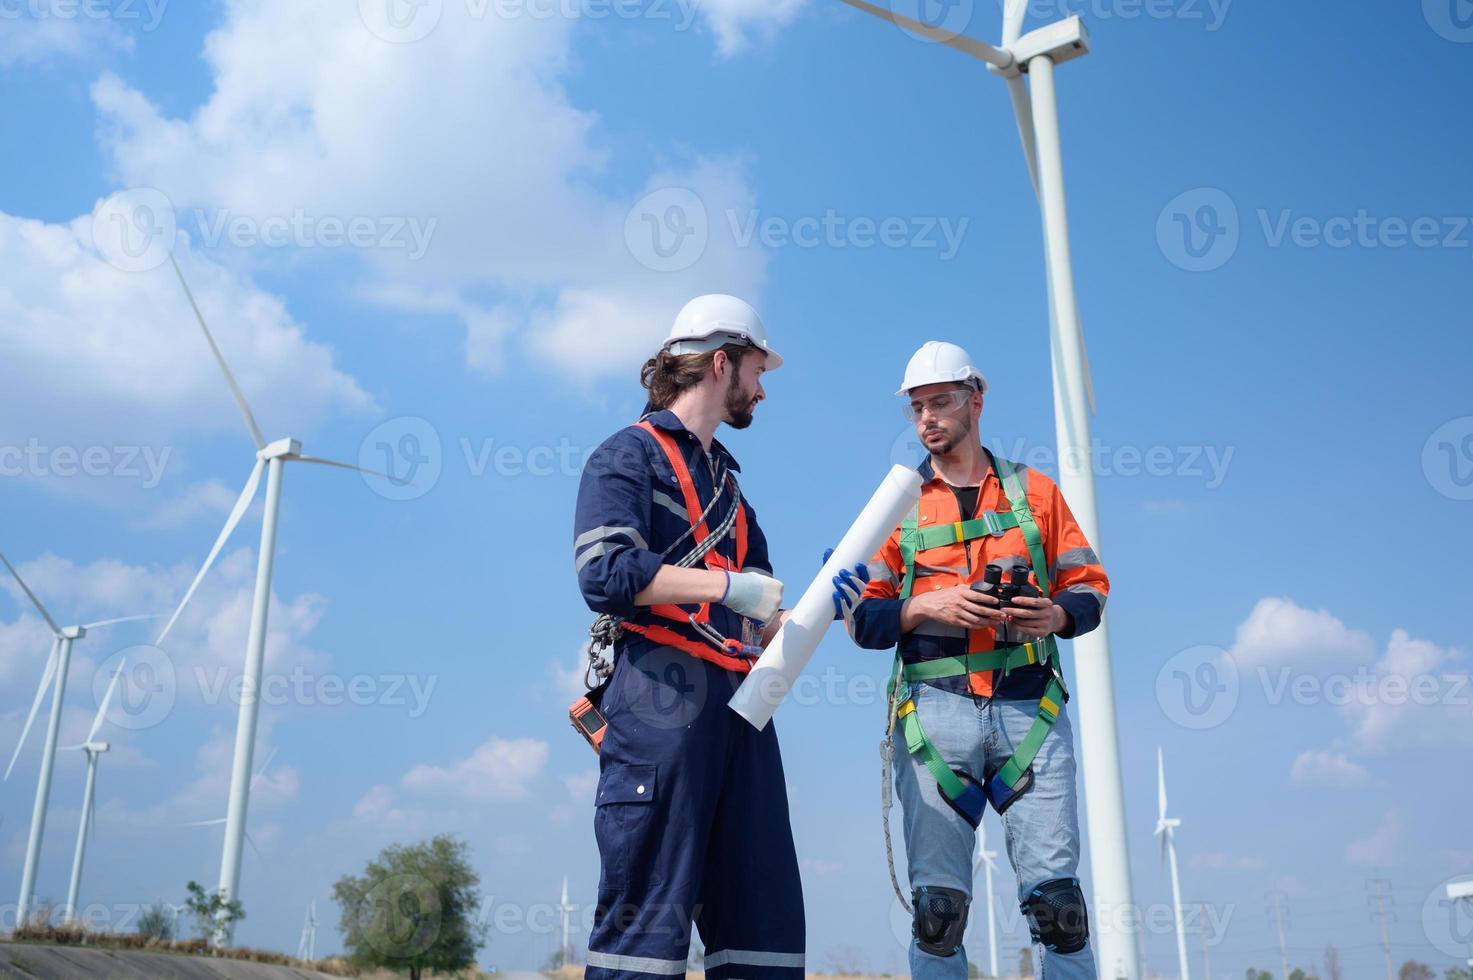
252 843
241 504
1089 381
204 823
240 400
106 700
332 462
121 619
1012 20
1160 783
960 42
1023 113
31 595
265 765
46 675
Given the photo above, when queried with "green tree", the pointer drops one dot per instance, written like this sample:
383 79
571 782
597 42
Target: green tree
1255 974
156 922
1458 973
1412 970
210 908
1025 961
413 909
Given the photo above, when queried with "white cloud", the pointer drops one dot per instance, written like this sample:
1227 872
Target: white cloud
470 128
1417 695
106 369
1379 847
27 40
1321 768
1279 633
499 769
1218 861
732 20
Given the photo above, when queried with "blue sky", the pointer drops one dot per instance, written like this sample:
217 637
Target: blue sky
1285 433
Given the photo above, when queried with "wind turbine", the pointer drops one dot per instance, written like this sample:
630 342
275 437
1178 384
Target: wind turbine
1166 830
307 946
94 750
1035 106
270 457
58 665
566 910
986 860
225 820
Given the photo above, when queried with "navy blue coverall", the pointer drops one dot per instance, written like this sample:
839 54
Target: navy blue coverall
691 812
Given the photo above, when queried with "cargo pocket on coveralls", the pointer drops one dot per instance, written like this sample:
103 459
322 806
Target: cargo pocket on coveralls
622 822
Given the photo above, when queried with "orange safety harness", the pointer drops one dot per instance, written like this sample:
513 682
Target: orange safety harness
723 651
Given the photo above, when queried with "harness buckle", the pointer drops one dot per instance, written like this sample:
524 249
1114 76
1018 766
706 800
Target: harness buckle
994 523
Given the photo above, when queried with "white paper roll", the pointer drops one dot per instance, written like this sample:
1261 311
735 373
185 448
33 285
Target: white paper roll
790 650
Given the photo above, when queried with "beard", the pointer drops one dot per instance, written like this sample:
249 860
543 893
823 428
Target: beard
947 447
739 404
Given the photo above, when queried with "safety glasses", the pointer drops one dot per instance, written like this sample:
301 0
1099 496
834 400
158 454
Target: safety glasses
941 403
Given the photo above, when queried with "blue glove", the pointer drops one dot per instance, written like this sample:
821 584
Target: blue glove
848 587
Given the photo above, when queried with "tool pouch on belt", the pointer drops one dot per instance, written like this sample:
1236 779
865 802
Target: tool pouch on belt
587 717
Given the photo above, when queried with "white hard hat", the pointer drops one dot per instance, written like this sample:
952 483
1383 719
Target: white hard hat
715 319
938 362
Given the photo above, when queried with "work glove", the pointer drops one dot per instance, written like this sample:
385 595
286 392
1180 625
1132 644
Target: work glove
848 587
753 595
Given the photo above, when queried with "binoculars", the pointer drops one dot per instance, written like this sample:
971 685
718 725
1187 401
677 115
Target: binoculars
1016 585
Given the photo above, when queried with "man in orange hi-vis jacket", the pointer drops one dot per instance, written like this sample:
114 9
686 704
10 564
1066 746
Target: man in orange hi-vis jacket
971 591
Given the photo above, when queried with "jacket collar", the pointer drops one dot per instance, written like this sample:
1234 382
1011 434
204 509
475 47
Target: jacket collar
670 422
928 472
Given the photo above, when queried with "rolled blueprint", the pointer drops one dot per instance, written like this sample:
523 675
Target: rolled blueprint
790 650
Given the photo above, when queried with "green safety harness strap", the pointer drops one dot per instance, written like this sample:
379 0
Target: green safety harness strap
1009 782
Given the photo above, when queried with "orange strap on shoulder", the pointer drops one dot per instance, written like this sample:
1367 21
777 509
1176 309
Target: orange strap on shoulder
701 531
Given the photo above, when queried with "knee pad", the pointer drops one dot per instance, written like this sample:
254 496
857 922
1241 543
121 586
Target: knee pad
1057 916
940 919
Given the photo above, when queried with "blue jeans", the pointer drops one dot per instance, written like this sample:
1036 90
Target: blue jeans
1041 828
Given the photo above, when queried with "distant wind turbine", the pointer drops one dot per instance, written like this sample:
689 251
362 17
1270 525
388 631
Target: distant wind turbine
1166 830
986 861
94 750
222 820
307 946
58 665
565 909
271 458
